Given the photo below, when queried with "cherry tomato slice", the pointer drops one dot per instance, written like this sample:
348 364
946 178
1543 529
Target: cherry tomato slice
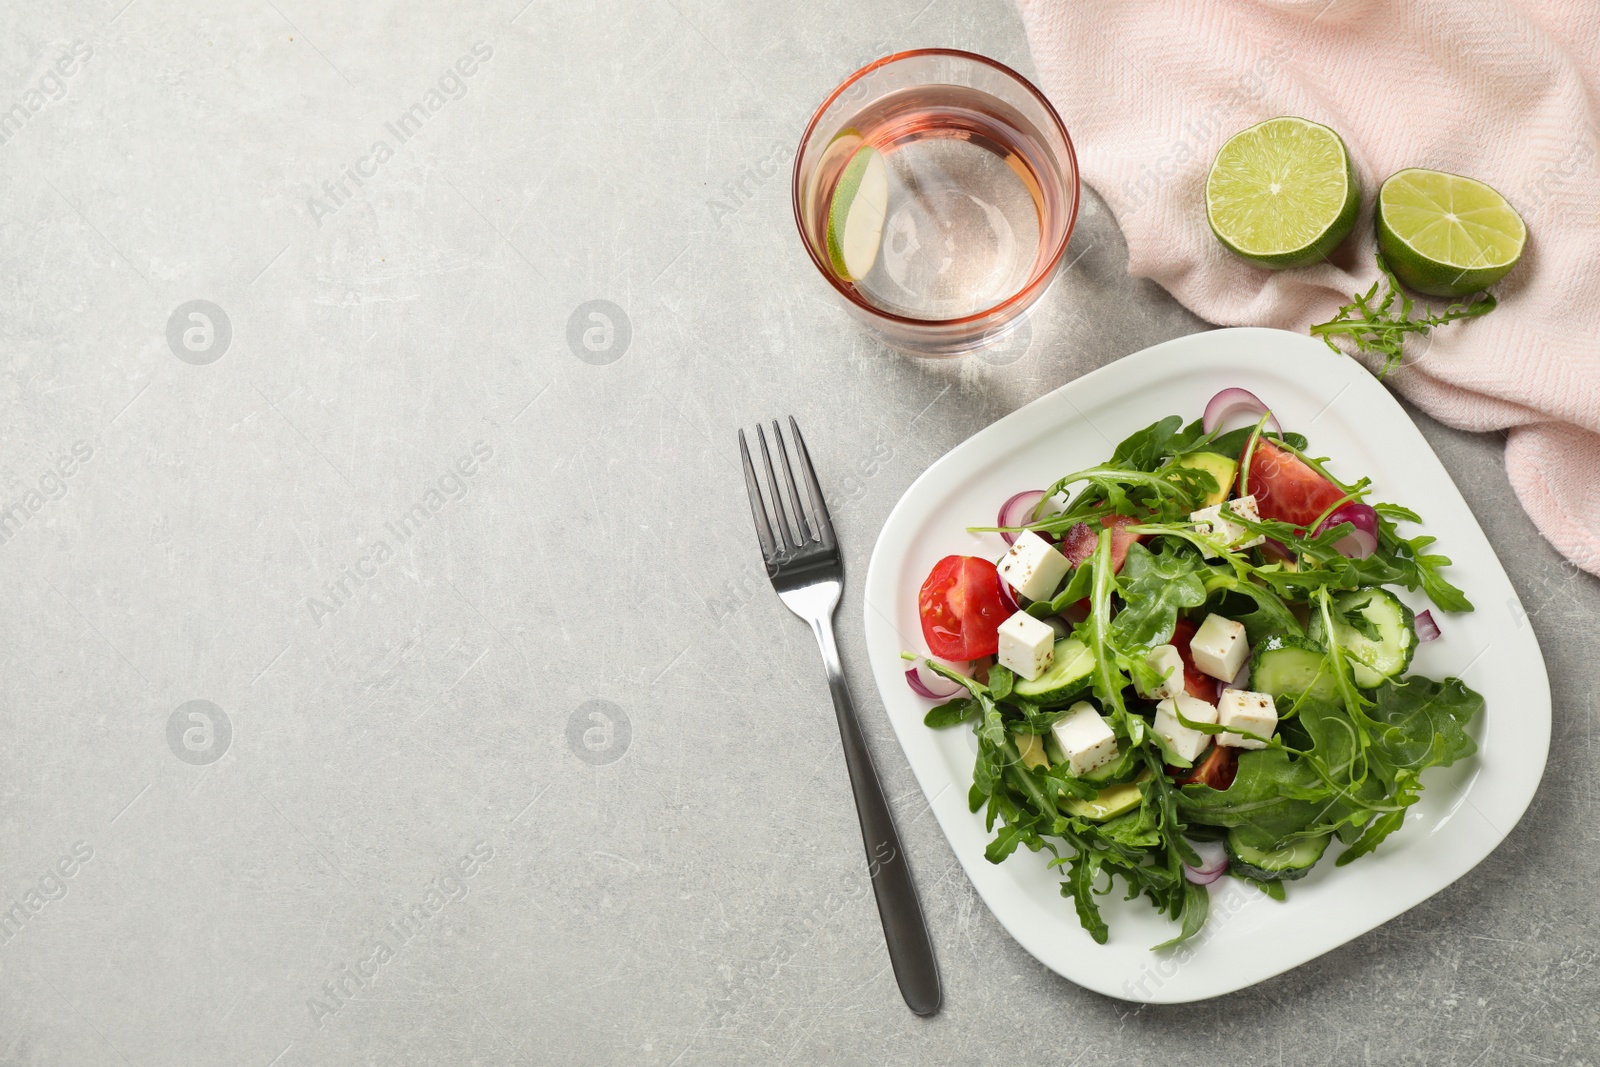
1216 768
1286 488
1196 682
962 608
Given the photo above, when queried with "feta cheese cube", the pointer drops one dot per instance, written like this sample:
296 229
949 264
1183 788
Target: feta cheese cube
1166 661
1211 521
1186 741
1027 646
1033 567
1085 738
1219 647
1240 709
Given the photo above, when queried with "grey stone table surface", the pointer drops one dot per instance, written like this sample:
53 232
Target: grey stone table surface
478 628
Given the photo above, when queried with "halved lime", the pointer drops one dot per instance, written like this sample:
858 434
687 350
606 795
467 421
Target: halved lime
1282 193
1445 235
856 214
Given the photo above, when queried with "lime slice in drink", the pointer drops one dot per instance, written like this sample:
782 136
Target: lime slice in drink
856 213
1445 235
1282 193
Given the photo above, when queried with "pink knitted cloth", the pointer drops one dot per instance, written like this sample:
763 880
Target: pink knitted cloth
1502 90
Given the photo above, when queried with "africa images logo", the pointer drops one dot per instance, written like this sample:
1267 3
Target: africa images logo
50 89
453 484
50 487
50 887
452 85
355 978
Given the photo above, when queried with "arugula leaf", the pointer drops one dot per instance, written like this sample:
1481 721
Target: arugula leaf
1155 587
1272 889
1149 447
1120 491
994 752
1414 566
1422 723
1408 790
1396 512
1134 830
1124 765
951 712
1000 681
1069 784
1355 704
1111 662
1438 590
1077 588
1376 325
1005 842
1270 614
1144 450
1231 444
1080 887
1196 907
1276 794
1272 795
1356 618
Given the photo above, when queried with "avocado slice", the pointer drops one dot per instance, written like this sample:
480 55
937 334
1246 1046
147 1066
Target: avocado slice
1031 747
1220 467
1112 801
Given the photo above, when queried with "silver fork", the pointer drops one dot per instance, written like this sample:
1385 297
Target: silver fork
807 570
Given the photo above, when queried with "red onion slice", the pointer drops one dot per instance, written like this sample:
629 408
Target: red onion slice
1363 541
1427 629
1018 511
1230 402
925 683
1277 550
1213 862
1008 598
1242 679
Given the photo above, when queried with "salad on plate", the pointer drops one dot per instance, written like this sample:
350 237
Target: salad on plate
1192 663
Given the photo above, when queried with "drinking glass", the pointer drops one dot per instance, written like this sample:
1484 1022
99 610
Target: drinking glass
972 198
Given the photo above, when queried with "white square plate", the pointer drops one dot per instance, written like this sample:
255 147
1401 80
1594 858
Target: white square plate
1466 810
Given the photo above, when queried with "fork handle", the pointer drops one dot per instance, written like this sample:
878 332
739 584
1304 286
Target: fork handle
900 911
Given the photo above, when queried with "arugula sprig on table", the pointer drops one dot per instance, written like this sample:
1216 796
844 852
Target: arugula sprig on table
1381 325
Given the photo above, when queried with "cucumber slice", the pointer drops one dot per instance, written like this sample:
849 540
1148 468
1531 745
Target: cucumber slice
1066 679
1285 664
1283 864
1372 661
1125 768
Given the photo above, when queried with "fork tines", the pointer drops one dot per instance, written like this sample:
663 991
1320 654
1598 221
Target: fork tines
795 529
